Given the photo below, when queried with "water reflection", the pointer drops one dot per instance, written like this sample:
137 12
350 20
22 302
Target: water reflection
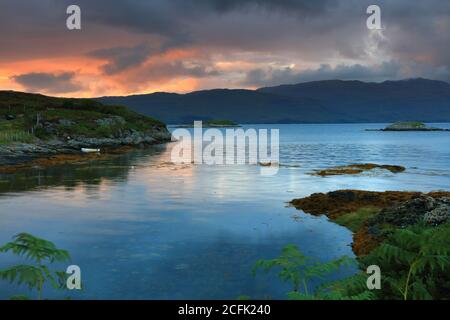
143 228
92 173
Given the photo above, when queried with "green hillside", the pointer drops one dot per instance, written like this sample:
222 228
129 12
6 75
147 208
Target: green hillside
27 117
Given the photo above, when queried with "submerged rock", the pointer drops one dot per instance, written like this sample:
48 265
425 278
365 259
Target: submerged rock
357 169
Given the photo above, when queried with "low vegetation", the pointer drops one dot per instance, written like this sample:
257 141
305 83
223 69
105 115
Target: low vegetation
24 117
299 270
415 265
411 126
41 254
355 220
15 136
406 234
408 124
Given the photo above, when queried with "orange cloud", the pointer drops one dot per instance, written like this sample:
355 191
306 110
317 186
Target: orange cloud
88 71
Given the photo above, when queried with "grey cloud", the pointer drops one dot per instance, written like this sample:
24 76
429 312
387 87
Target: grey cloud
312 28
303 7
48 82
163 71
301 31
122 58
259 77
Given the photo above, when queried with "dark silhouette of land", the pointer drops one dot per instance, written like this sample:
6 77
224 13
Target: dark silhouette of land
333 101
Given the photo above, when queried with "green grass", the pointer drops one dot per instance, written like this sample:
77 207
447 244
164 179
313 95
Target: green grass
410 124
355 220
83 113
15 136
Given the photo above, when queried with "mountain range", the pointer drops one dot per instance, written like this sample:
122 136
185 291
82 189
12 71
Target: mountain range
331 101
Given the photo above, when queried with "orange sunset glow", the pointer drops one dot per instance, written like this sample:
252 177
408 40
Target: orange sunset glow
180 46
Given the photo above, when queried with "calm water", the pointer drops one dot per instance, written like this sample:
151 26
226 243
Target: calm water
142 228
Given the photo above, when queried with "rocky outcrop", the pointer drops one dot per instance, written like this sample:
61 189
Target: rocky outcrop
23 152
391 210
433 211
336 203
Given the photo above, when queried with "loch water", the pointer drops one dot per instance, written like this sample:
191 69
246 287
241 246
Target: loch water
141 227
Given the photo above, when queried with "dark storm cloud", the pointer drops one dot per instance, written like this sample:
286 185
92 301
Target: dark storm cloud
128 33
168 16
182 20
419 28
48 82
299 6
122 58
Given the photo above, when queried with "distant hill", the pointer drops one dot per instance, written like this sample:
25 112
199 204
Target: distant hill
332 101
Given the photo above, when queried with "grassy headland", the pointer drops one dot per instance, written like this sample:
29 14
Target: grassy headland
34 125
32 114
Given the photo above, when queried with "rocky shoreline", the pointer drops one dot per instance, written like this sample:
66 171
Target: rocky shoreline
34 126
373 215
22 153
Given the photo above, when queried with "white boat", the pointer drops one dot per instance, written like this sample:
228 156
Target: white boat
88 150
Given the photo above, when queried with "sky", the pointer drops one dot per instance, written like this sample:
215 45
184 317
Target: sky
143 46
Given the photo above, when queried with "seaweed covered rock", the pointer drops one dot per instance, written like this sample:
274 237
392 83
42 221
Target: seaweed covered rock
373 215
438 215
336 203
357 169
433 211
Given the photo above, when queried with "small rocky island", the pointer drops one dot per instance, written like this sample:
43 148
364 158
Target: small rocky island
409 126
213 124
34 126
